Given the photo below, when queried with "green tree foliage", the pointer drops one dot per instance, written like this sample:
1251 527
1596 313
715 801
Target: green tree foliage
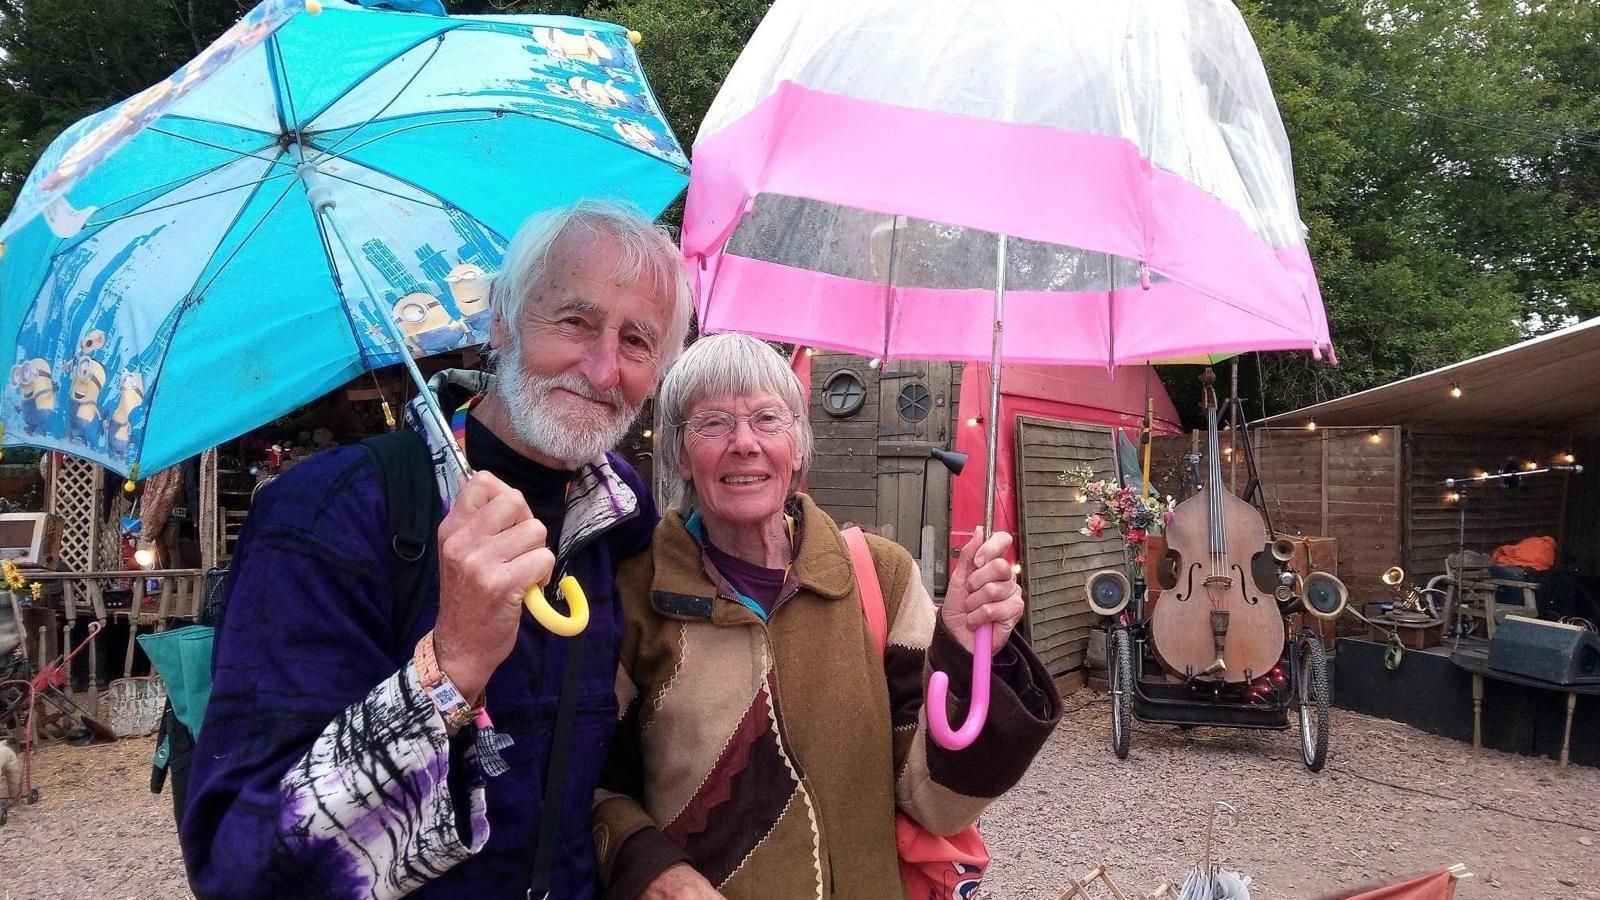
1447 156
1447 153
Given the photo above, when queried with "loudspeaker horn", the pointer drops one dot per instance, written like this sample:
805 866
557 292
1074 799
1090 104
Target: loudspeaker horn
1325 595
1109 592
1282 550
953 460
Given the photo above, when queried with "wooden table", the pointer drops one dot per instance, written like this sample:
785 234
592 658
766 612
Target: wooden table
1476 662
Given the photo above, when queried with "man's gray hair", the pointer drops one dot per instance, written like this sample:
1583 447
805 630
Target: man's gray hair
647 255
719 367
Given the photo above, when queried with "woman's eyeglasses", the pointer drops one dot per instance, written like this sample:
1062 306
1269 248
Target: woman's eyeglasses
715 423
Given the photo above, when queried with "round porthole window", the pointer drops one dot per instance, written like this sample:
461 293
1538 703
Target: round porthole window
914 402
843 394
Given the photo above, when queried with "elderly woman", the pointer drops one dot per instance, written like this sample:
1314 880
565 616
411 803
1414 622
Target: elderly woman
766 743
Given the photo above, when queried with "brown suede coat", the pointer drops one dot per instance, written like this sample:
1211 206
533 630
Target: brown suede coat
773 755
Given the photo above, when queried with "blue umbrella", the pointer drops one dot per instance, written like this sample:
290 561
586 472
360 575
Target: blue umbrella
313 197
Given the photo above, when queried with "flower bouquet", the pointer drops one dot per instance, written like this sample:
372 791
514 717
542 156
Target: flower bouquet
1133 515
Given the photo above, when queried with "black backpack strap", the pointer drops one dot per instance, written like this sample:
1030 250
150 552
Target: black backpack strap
555 778
412 493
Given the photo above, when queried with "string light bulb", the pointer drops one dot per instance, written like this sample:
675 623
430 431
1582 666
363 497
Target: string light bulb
1529 465
1375 438
1311 426
1568 458
975 421
874 362
1455 390
1452 497
145 557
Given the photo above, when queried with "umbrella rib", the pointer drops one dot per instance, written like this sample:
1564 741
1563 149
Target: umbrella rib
499 112
194 294
446 204
164 188
330 154
283 70
239 153
439 39
146 210
438 206
437 35
190 298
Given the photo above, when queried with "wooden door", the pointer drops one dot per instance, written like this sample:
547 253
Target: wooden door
914 399
1057 560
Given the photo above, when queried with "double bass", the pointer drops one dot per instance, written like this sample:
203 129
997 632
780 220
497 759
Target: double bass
1216 622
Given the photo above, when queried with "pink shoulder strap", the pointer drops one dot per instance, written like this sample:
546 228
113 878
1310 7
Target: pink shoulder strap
867 581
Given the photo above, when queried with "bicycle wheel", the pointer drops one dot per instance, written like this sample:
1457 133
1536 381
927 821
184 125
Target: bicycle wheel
1315 695
1120 665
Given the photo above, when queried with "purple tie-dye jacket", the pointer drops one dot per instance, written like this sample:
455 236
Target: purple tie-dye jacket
323 771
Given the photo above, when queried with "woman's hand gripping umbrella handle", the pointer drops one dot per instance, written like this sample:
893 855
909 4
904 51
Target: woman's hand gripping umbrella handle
939 696
983 594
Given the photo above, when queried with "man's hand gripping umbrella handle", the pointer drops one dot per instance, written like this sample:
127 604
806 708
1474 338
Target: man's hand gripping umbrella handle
319 192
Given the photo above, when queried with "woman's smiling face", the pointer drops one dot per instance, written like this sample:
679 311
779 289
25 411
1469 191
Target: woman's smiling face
742 477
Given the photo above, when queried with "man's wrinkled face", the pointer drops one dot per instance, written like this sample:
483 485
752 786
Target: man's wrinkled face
582 361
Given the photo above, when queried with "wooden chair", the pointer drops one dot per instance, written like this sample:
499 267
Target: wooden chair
1473 594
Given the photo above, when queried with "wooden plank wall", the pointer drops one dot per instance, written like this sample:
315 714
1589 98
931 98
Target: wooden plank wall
1342 483
844 462
1056 559
1494 515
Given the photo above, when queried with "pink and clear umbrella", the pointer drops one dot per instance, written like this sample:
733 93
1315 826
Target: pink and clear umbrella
1069 183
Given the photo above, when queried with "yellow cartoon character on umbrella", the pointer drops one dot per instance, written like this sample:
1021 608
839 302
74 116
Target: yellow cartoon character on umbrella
427 326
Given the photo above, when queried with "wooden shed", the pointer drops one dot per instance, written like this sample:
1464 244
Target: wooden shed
875 425
1380 492
1370 468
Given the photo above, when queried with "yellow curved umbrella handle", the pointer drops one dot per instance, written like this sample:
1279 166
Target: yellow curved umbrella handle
546 615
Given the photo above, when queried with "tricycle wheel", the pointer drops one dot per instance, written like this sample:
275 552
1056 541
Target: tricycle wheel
1120 664
33 796
1313 694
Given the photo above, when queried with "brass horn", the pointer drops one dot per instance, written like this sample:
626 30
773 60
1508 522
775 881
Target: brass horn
1393 576
1282 550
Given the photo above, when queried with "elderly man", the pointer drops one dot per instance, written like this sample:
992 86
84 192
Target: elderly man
357 748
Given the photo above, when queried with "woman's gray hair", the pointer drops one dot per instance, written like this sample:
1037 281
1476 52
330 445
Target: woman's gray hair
717 367
647 254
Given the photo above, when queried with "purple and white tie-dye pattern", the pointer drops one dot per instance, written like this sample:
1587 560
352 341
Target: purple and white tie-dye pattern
372 790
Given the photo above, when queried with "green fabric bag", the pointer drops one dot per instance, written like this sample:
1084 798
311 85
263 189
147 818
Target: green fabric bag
182 657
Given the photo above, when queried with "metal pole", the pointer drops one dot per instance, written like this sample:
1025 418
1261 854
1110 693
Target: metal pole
994 383
323 204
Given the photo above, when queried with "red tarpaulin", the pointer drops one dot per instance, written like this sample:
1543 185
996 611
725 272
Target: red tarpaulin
1438 886
1087 394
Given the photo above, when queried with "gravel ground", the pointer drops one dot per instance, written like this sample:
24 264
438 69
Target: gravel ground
98 833
1296 834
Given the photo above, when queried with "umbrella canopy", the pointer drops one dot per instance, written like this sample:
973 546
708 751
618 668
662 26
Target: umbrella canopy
857 167
168 283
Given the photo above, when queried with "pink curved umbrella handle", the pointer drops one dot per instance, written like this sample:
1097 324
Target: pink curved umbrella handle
978 711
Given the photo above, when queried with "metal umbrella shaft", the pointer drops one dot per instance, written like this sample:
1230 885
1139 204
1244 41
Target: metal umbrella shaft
983 638
322 203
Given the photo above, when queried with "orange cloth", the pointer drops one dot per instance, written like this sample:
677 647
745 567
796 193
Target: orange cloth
1438 886
1529 553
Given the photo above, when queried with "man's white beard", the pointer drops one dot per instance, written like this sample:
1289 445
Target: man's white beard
569 430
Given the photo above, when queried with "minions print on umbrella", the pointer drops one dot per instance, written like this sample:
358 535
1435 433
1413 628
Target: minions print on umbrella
167 283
